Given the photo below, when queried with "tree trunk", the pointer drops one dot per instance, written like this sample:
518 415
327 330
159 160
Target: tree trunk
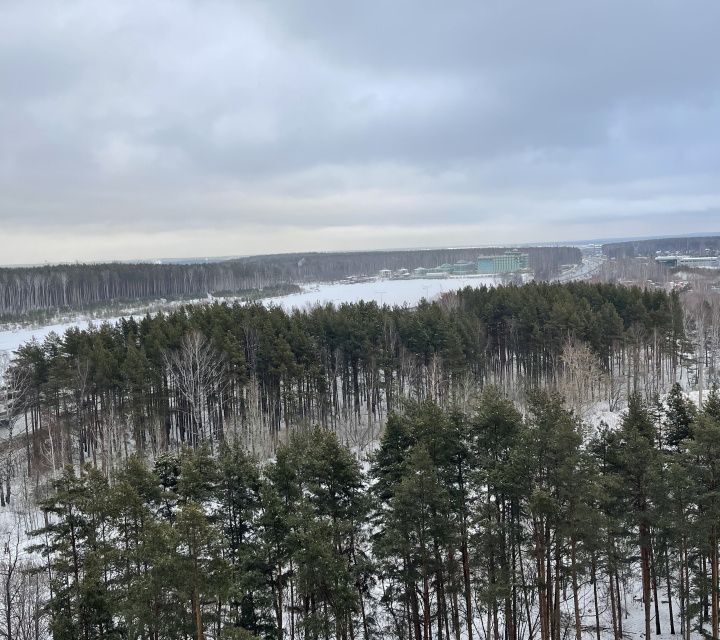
415 610
595 597
686 564
613 607
682 594
653 573
526 599
714 583
466 584
669 592
645 566
705 615
576 601
426 605
197 615
542 581
618 604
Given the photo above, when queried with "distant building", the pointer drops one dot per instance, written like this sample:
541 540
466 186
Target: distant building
463 268
508 262
486 264
460 268
702 262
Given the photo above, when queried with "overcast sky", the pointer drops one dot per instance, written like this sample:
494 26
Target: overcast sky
138 129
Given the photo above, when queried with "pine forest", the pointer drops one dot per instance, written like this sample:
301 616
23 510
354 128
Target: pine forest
366 471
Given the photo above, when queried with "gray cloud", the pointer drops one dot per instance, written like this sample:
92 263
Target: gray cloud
132 129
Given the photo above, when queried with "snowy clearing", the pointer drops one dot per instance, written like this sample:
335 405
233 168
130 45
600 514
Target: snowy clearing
391 292
11 339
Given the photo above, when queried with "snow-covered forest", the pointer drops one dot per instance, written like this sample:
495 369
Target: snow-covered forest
359 320
517 462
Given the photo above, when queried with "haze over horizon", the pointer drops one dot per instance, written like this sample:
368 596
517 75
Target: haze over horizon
183 128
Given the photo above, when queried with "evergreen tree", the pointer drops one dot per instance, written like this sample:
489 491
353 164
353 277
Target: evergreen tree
75 545
550 453
495 431
638 471
679 418
705 451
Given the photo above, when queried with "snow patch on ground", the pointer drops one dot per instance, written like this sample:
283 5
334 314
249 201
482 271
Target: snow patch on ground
600 415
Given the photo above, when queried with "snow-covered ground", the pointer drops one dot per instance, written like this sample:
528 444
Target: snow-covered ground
392 292
11 339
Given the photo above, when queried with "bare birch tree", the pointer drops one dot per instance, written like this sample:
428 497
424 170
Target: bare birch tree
21 592
696 314
580 376
199 375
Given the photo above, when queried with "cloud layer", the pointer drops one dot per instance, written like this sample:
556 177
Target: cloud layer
137 129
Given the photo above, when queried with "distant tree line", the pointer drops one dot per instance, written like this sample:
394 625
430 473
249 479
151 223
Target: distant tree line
693 246
304 267
480 523
28 289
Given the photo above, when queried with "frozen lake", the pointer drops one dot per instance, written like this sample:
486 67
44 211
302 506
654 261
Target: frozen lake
391 292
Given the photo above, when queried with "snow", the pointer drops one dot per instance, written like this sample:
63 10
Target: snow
11 339
633 614
599 414
391 292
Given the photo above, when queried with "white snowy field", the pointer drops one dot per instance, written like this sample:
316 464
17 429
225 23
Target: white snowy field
391 292
11 339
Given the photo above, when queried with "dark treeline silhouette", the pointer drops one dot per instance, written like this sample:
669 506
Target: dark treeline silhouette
693 246
481 523
27 289
207 374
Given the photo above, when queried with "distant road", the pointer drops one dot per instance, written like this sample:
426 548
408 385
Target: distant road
589 267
